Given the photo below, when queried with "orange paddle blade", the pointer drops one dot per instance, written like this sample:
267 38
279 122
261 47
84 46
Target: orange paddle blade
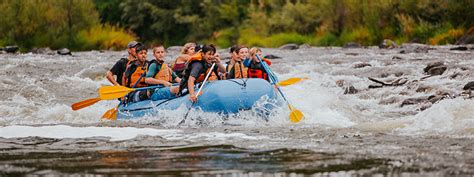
291 81
113 92
111 114
295 115
84 103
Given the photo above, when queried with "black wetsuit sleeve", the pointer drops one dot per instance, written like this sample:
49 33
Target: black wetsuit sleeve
196 69
118 67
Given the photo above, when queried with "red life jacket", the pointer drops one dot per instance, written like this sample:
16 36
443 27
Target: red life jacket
257 73
255 70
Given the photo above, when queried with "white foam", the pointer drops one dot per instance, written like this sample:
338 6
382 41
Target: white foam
116 133
447 116
64 131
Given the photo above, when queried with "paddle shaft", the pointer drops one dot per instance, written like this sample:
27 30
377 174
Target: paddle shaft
199 91
295 115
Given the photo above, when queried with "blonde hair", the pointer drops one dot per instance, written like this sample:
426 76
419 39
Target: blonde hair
187 46
253 51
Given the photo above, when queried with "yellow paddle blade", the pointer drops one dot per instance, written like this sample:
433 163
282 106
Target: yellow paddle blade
113 92
111 114
295 115
291 81
84 103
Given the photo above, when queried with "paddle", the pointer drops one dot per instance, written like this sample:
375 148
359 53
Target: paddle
110 114
117 91
295 115
291 81
113 92
84 103
199 91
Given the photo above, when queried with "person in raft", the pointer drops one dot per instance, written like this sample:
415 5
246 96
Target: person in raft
134 75
159 73
255 68
180 63
233 58
119 67
198 67
236 69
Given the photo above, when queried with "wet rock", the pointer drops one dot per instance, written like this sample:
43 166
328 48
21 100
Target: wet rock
425 105
461 48
64 51
46 51
11 49
361 65
350 90
411 101
289 47
399 81
272 57
388 44
435 98
391 100
398 74
340 83
397 58
304 46
383 75
414 48
352 45
438 70
396 82
469 86
375 86
424 89
453 76
174 48
432 65
467 94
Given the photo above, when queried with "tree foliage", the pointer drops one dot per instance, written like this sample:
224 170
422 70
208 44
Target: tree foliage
58 23
48 23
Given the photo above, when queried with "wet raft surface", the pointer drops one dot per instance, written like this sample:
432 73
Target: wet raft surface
403 120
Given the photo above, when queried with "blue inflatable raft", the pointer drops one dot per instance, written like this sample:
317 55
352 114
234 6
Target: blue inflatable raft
223 97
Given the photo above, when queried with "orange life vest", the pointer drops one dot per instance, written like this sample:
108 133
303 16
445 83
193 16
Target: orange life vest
165 73
139 73
240 71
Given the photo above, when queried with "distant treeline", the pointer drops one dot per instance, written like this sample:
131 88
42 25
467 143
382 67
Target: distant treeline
105 24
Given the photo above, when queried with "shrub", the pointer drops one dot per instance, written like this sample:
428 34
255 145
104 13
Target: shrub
104 37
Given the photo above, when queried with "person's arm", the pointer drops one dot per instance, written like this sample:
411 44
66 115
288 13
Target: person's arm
192 96
175 77
221 67
195 73
111 78
149 76
154 81
114 71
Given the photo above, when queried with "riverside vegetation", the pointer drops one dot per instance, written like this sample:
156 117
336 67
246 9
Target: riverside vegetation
110 24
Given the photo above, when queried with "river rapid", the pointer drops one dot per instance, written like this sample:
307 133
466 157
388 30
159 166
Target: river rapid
412 124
